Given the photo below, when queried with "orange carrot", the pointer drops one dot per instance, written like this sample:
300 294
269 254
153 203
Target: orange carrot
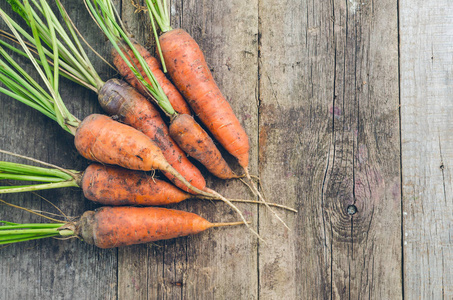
110 227
191 75
118 98
175 98
111 185
198 144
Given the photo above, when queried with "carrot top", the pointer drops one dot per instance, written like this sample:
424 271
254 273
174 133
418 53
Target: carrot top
105 15
74 62
22 87
48 178
16 232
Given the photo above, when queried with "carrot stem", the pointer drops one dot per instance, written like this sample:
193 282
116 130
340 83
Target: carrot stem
38 187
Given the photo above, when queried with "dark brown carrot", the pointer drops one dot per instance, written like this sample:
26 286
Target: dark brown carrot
110 227
199 145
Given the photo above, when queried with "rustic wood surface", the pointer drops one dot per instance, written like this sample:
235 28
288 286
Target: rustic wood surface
318 86
427 143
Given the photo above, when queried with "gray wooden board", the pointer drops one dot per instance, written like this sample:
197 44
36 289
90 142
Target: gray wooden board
329 72
427 149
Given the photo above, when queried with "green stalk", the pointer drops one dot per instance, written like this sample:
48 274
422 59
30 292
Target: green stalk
105 19
38 187
70 50
67 70
29 178
30 226
25 238
26 231
15 233
48 178
50 102
32 170
157 10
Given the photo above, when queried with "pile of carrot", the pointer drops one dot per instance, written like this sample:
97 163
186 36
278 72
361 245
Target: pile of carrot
140 142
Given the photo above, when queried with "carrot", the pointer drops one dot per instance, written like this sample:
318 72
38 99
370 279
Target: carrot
186 131
191 75
108 185
118 98
110 227
175 98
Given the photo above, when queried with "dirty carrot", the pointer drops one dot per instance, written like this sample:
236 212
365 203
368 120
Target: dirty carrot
110 227
186 130
104 184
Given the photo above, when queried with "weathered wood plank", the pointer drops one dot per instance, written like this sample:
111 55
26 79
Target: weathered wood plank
329 72
219 264
426 35
53 269
222 264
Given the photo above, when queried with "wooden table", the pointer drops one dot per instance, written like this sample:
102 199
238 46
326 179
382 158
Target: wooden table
348 106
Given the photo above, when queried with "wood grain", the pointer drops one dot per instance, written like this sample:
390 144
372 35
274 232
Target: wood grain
329 72
427 147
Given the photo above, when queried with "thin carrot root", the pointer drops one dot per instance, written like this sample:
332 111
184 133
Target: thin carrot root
262 198
227 224
260 202
234 207
249 201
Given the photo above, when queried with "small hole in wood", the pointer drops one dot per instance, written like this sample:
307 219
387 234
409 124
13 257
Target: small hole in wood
352 209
